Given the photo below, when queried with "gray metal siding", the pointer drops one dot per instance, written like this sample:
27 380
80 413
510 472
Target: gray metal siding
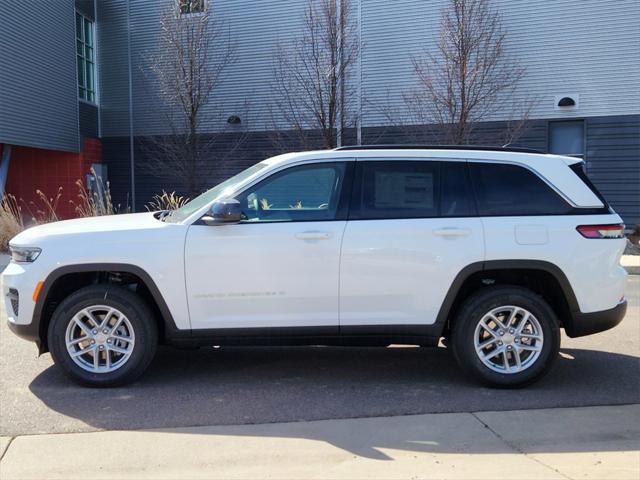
86 8
255 27
588 48
613 162
38 85
88 119
113 70
115 154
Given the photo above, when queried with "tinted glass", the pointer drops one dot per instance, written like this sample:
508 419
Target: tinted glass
305 193
213 193
513 190
455 197
398 190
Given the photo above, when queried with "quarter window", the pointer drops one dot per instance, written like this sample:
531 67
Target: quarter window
85 58
305 193
513 190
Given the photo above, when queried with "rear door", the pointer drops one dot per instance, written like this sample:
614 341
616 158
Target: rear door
411 229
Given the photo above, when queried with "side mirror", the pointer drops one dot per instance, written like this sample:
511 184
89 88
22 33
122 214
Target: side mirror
223 211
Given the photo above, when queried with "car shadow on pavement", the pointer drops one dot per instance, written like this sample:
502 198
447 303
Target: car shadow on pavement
233 386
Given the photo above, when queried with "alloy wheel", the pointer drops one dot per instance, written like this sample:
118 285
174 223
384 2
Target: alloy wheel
100 339
508 339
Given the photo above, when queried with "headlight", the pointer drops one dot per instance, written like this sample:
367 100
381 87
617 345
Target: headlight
24 254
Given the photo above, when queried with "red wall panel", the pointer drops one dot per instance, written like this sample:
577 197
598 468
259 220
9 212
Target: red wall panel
33 169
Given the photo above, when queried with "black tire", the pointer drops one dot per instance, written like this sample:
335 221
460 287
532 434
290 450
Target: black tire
137 312
471 313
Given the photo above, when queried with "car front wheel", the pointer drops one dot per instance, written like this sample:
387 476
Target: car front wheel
103 336
506 336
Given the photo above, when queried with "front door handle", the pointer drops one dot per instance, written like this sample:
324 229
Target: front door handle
313 235
452 232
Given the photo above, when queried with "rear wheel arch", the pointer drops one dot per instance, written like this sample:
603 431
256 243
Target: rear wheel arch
66 280
543 278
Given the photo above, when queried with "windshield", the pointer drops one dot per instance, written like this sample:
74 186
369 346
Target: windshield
210 195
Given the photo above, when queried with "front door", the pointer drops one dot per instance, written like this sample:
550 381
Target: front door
279 267
412 229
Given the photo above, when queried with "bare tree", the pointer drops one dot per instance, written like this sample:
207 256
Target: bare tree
313 85
468 77
194 52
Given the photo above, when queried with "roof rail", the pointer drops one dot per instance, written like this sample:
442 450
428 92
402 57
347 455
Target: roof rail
440 147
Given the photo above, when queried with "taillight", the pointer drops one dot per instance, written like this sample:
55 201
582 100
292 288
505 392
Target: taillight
601 231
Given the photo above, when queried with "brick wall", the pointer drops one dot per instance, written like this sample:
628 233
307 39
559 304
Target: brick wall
34 169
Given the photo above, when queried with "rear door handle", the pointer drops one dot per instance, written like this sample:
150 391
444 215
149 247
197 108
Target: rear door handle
452 232
313 235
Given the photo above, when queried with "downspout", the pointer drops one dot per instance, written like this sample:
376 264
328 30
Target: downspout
359 118
96 44
340 95
131 149
4 168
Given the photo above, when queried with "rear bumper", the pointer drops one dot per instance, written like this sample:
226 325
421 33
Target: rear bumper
589 323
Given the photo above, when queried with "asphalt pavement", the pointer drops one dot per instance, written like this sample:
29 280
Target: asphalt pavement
230 386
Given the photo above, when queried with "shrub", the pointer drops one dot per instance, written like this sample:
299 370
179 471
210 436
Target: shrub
45 212
11 222
97 203
166 201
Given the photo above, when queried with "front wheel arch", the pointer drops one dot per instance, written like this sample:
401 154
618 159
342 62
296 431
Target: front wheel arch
64 281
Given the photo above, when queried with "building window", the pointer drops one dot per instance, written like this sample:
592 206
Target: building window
86 58
188 7
567 138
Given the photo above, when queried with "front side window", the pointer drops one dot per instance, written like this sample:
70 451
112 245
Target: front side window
304 193
503 190
86 58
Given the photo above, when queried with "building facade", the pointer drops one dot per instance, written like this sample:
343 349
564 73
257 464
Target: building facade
75 90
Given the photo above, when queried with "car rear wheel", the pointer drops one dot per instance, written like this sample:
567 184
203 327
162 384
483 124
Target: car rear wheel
103 336
506 336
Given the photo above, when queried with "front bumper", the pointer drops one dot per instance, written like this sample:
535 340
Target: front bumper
582 324
20 279
29 332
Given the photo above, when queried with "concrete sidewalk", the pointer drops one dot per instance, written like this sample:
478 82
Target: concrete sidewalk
631 263
590 442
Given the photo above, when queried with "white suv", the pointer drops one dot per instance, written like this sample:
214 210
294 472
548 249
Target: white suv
492 250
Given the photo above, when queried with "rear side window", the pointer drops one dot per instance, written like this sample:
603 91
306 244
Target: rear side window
396 190
513 190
